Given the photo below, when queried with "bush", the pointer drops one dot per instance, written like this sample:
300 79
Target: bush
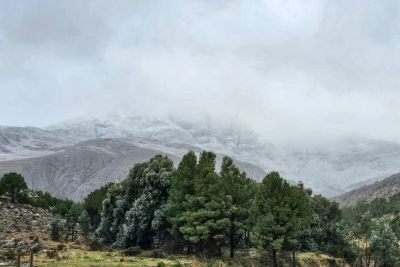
157 253
161 264
55 230
176 264
132 251
94 243
23 198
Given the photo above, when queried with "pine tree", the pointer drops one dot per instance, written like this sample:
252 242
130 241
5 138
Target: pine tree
84 224
72 218
182 187
143 223
93 204
54 230
12 183
384 244
104 229
241 190
283 212
199 208
132 211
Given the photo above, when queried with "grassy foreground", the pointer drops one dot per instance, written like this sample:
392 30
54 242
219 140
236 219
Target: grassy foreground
75 255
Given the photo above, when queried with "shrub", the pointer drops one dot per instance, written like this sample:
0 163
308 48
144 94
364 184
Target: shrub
161 264
94 243
132 251
54 230
52 254
176 264
157 253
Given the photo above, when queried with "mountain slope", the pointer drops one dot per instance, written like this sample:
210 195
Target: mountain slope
331 171
230 140
80 169
380 189
20 142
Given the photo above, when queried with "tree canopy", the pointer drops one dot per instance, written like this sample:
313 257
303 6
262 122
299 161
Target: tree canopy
12 183
283 212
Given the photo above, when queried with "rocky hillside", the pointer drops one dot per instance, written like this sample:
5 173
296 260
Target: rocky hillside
380 189
22 227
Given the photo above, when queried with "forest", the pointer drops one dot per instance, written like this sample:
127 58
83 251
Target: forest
195 209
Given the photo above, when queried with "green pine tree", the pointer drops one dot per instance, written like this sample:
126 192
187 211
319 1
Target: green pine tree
241 190
200 207
283 212
84 224
12 183
384 244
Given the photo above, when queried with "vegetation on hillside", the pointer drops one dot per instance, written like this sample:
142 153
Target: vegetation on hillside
198 211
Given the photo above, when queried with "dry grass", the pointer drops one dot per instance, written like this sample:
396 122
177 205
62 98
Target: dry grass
78 255
310 259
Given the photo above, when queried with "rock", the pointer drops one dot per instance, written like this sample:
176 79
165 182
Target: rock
35 248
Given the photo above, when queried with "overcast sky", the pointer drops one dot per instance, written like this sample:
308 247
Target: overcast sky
292 70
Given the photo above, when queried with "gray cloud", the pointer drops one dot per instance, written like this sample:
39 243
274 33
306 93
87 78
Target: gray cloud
296 71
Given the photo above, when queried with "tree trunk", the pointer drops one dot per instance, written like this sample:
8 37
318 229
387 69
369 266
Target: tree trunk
232 241
12 198
294 255
366 251
275 263
384 258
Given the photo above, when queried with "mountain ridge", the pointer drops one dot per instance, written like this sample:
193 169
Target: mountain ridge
326 171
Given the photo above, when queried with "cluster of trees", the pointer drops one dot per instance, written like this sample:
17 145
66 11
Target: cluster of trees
196 209
374 229
133 210
14 184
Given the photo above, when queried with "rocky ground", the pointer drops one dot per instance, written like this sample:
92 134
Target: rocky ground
22 228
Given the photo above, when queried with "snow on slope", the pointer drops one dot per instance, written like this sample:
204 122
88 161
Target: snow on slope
238 143
332 171
326 171
23 142
88 165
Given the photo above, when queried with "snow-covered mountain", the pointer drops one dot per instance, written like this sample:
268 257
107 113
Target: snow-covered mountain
230 140
119 138
79 169
332 170
24 142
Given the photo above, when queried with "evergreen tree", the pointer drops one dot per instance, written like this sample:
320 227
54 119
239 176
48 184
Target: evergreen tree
84 224
72 218
60 209
93 204
283 212
106 230
132 211
143 223
202 215
241 190
384 244
182 187
326 232
12 183
54 230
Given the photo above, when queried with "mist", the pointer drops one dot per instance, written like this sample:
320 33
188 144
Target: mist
297 72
